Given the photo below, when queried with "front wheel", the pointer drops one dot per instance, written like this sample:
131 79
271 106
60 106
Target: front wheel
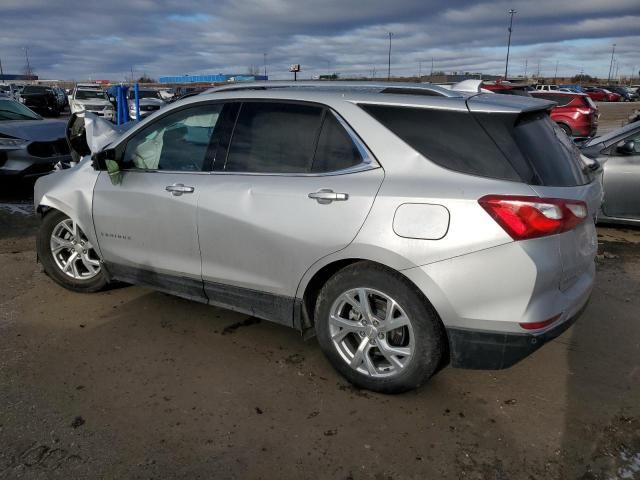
68 256
377 330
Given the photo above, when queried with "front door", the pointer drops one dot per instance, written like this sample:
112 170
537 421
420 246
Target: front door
294 186
146 225
622 181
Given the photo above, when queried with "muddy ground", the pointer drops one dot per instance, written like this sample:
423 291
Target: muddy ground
131 383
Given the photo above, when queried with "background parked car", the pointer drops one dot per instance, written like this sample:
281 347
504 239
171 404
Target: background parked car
625 95
149 99
8 91
507 88
598 94
40 99
92 100
619 154
546 88
575 113
29 144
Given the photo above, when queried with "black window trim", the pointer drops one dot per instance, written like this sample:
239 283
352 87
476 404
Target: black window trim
369 162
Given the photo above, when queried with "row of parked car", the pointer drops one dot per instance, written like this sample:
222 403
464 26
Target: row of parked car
608 93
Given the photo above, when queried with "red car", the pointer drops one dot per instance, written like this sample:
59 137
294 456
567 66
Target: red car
575 113
602 95
506 88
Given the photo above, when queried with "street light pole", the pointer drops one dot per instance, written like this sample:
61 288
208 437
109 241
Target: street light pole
506 65
265 64
611 63
389 66
1 72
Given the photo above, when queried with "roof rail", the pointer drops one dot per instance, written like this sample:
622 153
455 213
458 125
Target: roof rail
377 87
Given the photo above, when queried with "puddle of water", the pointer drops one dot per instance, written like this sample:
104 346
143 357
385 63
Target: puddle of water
25 209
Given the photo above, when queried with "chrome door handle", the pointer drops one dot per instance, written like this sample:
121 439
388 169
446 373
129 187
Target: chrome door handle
326 195
178 189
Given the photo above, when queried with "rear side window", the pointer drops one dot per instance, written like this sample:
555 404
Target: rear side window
561 100
336 150
453 140
274 138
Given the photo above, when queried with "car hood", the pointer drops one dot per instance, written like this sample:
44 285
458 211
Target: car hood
148 101
93 101
41 130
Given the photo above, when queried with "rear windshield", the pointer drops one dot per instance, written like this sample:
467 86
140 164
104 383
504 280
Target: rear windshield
526 148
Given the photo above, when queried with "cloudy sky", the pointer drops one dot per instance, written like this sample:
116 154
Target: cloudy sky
73 39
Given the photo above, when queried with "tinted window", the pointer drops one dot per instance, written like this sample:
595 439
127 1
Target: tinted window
178 141
454 140
34 89
336 150
274 138
561 100
537 147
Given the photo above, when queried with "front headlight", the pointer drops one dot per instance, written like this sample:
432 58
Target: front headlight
77 106
12 143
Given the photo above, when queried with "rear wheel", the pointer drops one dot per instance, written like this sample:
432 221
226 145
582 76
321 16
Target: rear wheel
566 128
68 256
377 330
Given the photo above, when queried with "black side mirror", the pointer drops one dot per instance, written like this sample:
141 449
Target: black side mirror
628 148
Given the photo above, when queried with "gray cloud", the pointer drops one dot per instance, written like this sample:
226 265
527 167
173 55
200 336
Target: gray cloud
95 39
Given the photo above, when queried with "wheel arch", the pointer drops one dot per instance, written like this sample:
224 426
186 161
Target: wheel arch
323 274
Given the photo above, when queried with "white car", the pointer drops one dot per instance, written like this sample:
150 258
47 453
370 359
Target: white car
91 100
547 88
149 101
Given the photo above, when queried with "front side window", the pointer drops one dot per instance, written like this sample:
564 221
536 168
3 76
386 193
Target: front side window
177 142
274 138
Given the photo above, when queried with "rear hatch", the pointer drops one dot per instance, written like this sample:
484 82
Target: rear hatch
550 163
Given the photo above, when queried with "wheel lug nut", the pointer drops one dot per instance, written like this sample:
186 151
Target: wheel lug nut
362 334
364 322
376 323
381 336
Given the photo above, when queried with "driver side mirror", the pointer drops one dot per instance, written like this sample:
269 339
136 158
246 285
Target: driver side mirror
106 160
628 148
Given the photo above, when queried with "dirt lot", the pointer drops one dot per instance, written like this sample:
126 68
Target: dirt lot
131 383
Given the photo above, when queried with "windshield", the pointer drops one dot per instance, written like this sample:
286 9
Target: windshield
143 94
35 89
12 110
89 94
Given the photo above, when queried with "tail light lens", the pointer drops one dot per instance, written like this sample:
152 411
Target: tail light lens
524 217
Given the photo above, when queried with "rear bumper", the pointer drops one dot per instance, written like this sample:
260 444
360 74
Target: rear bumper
496 350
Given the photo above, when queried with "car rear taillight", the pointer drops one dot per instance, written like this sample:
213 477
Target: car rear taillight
539 325
585 111
524 217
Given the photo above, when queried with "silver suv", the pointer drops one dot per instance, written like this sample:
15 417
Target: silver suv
408 226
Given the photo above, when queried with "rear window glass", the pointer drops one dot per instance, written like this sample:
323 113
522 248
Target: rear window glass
529 147
453 140
534 139
561 100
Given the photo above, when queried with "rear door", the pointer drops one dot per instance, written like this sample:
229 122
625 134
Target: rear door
294 185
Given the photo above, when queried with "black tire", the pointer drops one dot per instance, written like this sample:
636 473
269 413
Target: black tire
49 222
428 331
566 128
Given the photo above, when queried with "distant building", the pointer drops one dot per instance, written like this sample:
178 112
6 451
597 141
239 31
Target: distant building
217 78
9 76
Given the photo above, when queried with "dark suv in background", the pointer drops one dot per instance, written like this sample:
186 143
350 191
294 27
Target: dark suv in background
41 99
575 113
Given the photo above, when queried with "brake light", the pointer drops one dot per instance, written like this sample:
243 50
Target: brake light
524 217
539 325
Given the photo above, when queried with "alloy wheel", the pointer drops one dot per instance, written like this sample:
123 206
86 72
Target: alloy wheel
72 251
371 332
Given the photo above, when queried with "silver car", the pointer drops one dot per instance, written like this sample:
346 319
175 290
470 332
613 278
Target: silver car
619 154
407 226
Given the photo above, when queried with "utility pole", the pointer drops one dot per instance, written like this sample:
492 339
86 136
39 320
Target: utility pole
525 68
506 65
420 70
389 66
265 64
611 63
26 55
615 77
1 72
538 74
555 75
